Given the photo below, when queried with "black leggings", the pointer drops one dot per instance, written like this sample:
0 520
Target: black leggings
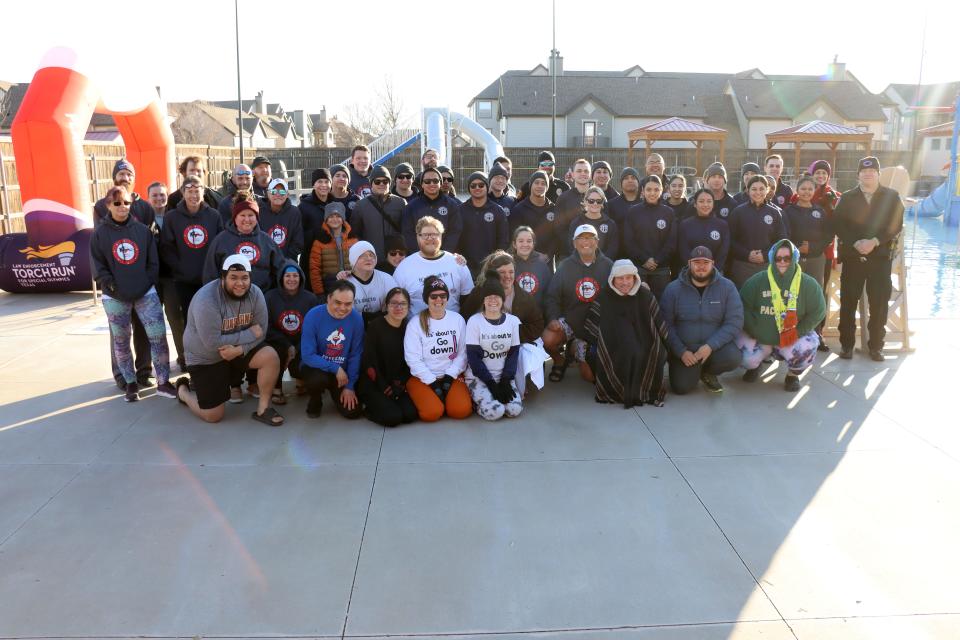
386 411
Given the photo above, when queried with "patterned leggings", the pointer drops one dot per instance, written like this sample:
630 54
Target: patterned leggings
490 409
798 356
150 312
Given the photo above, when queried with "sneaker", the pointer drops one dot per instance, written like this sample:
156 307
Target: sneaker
791 383
132 393
822 347
166 390
876 355
846 354
236 395
710 381
751 375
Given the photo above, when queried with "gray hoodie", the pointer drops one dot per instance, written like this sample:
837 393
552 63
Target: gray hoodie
215 319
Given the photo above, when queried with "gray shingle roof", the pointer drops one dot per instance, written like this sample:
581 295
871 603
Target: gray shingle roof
784 99
943 94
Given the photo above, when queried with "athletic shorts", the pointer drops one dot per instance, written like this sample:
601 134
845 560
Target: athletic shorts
211 382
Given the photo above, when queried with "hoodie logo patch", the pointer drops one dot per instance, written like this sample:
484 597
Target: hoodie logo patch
126 251
780 200
441 211
528 282
278 234
488 216
714 235
604 228
250 251
815 214
290 322
768 219
661 224
724 212
587 289
195 236
550 216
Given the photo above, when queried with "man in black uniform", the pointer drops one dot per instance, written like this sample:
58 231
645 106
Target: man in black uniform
868 221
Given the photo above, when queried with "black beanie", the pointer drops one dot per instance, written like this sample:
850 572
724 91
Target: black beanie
545 156
498 170
379 171
340 167
491 285
479 175
715 169
601 164
629 171
395 243
319 174
403 167
434 283
541 175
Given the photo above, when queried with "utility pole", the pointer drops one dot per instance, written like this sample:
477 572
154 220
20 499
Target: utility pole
236 24
553 72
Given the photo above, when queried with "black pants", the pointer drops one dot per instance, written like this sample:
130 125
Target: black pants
656 280
684 379
874 273
317 381
171 309
185 293
387 411
141 353
293 366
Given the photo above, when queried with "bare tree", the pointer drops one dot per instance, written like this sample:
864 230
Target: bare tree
383 113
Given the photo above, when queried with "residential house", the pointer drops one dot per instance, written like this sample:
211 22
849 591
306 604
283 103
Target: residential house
934 148
936 102
323 135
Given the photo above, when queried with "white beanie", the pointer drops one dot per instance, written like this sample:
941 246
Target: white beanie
359 249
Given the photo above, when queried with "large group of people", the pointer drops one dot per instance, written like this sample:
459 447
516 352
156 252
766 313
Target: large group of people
401 301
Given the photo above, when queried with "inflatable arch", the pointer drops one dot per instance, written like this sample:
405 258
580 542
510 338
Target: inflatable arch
48 132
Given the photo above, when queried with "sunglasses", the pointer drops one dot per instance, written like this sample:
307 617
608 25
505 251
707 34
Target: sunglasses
396 253
546 164
122 203
405 176
243 172
430 181
447 179
398 305
278 192
593 201
783 259
381 181
438 296
478 185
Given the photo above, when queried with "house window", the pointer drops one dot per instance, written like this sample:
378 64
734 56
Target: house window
589 133
934 144
484 109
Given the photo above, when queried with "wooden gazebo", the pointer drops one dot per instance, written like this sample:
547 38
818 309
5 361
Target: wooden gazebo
818 131
677 129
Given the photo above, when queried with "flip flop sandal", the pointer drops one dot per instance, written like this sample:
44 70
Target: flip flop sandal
557 372
268 417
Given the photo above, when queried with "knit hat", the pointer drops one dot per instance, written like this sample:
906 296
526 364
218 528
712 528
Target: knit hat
434 283
334 208
395 243
629 171
715 169
359 249
491 285
624 268
870 162
539 175
442 168
601 164
701 253
379 171
244 205
403 167
122 164
750 166
236 262
545 156
497 170
820 164
258 161
319 174
339 167
478 175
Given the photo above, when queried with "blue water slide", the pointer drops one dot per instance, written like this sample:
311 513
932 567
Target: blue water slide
389 155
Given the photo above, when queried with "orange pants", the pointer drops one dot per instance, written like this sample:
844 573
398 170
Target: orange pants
458 404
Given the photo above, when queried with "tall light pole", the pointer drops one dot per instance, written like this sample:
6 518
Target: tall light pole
236 24
553 72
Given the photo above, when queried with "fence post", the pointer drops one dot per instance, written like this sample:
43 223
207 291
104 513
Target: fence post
3 192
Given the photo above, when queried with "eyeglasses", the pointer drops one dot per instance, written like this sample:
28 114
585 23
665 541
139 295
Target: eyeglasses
447 179
546 164
278 192
405 176
429 236
398 305
381 181
395 253
593 201
438 296
122 203
478 185
243 172
430 181
783 259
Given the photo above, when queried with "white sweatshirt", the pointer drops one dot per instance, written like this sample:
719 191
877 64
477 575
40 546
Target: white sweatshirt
439 352
414 269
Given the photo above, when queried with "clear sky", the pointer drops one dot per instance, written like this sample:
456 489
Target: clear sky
307 54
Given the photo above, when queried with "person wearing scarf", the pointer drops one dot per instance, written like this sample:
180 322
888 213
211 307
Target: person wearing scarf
782 307
627 338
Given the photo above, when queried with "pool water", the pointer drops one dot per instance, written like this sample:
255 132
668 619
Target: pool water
933 268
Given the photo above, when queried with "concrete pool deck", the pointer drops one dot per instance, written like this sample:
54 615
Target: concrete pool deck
826 514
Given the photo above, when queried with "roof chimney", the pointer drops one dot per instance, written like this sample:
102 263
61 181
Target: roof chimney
260 104
556 58
836 70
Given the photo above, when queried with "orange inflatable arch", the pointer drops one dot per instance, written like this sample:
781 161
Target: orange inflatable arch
48 133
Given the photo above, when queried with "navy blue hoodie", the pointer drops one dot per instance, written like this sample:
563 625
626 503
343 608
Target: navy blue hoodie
506 202
541 218
781 198
722 207
754 228
619 207
710 232
811 225
264 255
485 229
286 312
651 233
285 227
124 258
569 206
185 239
443 208
140 210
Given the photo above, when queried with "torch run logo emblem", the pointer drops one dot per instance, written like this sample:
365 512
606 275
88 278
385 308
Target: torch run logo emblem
126 251
249 251
195 236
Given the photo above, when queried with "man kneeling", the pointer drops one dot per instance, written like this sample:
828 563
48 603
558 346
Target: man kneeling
223 338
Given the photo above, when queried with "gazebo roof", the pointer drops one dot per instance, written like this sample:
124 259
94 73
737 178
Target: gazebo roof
819 128
677 129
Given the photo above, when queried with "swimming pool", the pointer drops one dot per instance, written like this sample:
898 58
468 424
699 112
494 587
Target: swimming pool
933 269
